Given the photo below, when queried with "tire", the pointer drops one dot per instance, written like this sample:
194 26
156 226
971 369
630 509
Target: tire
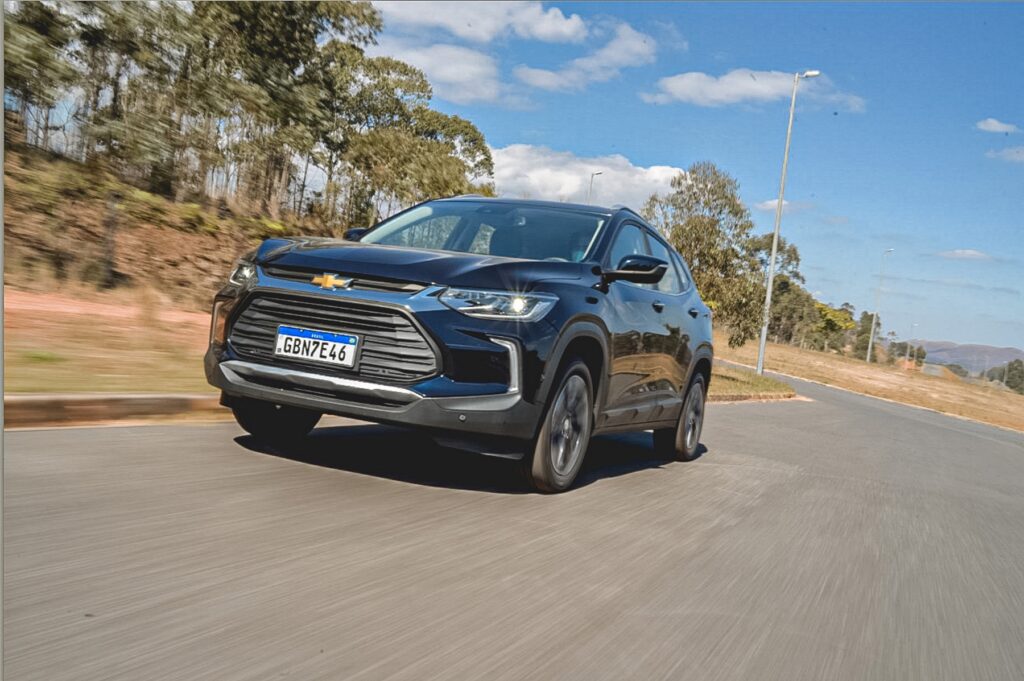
274 423
564 434
682 442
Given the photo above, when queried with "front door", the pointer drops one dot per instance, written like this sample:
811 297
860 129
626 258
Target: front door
644 340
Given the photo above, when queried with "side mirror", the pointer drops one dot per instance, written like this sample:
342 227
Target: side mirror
639 269
355 233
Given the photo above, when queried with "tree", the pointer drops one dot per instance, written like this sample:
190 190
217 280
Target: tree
704 218
958 370
833 323
35 37
860 345
787 257
1011 374
794 313
242 100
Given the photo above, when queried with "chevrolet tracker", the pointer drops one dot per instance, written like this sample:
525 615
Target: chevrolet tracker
513 328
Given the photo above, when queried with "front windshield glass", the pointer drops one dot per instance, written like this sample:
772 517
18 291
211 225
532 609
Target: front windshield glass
508 230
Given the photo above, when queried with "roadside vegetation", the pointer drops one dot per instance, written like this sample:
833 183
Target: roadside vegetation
134 341
149 144
948 393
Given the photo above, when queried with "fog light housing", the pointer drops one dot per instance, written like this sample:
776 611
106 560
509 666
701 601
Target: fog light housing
219 322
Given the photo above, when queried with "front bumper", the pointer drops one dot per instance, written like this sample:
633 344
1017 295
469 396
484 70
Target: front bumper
486 384
502 415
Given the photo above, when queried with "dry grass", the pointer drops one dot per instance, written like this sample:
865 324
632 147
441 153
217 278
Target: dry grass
737 383
119 342
79 340
947 394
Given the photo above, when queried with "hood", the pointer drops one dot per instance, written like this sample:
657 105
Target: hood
415 265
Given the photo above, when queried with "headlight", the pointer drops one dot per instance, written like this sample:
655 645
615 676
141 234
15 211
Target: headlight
243 273
524 307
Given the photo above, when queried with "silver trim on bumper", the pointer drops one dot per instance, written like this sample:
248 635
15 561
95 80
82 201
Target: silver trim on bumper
305 378
514 365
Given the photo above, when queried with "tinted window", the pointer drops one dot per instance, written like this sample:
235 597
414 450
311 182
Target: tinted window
629 241
432 232
670 283
684 275
511 230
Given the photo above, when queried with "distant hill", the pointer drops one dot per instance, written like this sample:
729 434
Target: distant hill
974 358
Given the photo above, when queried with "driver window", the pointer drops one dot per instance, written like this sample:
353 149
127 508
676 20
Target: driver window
670 283
432 233
629 241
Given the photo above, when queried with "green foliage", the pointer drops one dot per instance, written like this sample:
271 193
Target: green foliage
194 218
958 370
143 206
1010 374
704 218
787 257
831 327
238 100
860 344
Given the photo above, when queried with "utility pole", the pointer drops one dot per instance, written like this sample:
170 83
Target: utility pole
878 302
590 191
778 220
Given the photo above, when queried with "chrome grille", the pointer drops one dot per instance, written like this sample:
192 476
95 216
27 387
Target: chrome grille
306 275
391 347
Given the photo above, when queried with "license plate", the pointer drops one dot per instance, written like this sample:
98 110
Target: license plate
316 346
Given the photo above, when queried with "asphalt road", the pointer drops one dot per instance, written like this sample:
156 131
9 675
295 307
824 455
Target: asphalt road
838 538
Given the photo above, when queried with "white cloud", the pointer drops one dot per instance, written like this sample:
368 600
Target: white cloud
746 85
964 254
482 22
629 47
458 74
524 170
993 125
769 205
787 206
1012 154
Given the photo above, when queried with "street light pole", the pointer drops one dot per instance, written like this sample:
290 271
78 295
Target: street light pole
591 189
878 302
778 221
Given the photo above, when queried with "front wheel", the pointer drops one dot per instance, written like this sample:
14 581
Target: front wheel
565 433
274 423
682 442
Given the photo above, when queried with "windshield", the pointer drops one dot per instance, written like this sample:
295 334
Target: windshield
492 228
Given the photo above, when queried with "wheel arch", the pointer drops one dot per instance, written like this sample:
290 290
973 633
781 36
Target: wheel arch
587 340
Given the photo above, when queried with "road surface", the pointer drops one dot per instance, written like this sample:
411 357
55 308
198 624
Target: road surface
840 537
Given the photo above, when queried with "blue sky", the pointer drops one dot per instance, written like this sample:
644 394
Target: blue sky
913 138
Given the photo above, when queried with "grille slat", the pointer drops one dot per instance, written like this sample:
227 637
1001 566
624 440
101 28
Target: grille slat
305 275
391 346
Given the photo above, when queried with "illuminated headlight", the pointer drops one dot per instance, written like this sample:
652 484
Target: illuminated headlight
243 273
524 307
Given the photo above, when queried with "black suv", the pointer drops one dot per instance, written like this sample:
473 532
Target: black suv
512 328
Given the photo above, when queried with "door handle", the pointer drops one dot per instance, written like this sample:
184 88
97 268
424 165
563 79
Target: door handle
658 305
694 312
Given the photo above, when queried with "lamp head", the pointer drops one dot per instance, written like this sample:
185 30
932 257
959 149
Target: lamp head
813 73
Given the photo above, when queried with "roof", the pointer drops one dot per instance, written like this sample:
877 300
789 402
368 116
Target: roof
546 204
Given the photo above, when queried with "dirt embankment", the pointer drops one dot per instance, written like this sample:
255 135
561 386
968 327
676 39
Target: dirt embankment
63 226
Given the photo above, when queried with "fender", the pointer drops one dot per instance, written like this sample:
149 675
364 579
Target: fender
580 328
703 351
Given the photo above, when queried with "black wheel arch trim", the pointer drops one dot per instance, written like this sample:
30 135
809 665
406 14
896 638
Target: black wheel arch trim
580 328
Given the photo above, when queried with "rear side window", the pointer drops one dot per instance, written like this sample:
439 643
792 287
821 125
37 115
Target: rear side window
670 283
629 241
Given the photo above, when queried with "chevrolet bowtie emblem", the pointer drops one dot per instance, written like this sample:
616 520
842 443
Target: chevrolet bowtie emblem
331 281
